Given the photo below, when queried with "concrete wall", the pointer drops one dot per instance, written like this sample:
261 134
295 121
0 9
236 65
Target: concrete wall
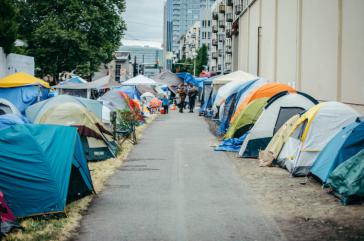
13 63
316 46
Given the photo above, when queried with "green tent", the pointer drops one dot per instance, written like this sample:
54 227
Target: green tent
347 180
246 118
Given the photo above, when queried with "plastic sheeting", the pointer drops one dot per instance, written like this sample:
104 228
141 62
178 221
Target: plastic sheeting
232 144
11 120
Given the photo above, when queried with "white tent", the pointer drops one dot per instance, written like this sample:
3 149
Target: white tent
311 133
140 80
278 110
230 83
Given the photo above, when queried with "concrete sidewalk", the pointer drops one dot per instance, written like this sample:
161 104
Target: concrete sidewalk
174 187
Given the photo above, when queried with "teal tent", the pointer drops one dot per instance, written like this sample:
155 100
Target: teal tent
42 168
348 142
347 179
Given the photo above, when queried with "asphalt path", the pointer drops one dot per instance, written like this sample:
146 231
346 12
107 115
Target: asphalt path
174 187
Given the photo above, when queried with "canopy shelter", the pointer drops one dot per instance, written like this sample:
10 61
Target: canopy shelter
347 143
96 138
139 80
310 134
278 110
8 221
45 172
267 90
6 107
118 100
168 78
246 119
23 90
347 180
85 89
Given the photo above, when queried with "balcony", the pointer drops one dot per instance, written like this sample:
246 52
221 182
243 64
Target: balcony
193 35
215 29
214 55
229 3
221 52
228 49
222 8
219 67
221 23
238 9
221 37
214 42
228 33
215 16
229 17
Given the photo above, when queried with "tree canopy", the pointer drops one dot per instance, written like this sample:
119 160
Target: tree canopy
8 24
186 65
65 35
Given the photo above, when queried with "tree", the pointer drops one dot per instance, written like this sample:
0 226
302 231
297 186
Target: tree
65 35
202 59
8 24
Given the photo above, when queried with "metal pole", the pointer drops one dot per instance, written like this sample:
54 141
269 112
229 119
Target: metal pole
194 67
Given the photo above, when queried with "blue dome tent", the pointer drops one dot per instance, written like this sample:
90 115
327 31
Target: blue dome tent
347 143
44 173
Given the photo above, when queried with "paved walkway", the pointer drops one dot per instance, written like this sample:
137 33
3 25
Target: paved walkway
174 187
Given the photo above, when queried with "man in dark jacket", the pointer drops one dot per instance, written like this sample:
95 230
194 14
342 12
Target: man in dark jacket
192 95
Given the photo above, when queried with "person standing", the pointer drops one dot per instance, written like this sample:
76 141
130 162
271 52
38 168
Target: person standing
192 95
165 104
182 93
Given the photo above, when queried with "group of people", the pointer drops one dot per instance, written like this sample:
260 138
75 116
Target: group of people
186 94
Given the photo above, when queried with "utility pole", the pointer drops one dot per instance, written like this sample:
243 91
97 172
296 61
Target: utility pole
135 67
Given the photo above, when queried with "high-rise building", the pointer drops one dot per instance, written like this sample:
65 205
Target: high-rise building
181 14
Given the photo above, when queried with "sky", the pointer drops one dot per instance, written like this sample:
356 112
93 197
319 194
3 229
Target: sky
144 19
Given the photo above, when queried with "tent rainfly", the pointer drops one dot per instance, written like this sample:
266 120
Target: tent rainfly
310 134
45 172
278 110
347 143
347 180
69 111
267 90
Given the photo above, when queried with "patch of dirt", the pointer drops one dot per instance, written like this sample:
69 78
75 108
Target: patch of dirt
301 208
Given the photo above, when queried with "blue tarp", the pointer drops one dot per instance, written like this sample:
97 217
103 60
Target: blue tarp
74 80
35 168
24 96
347 143
11 119
190 79
232 144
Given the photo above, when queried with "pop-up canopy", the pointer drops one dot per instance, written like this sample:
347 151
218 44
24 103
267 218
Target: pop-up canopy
140 80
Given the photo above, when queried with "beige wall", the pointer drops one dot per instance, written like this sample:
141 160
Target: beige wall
317 46
352 74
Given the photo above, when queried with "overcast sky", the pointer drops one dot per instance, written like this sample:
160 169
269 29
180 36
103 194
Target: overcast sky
144 19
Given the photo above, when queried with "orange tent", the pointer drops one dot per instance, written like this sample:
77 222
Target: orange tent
265 91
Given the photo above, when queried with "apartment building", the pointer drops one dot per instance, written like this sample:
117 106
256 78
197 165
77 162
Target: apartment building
191 41
315 46
221 40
